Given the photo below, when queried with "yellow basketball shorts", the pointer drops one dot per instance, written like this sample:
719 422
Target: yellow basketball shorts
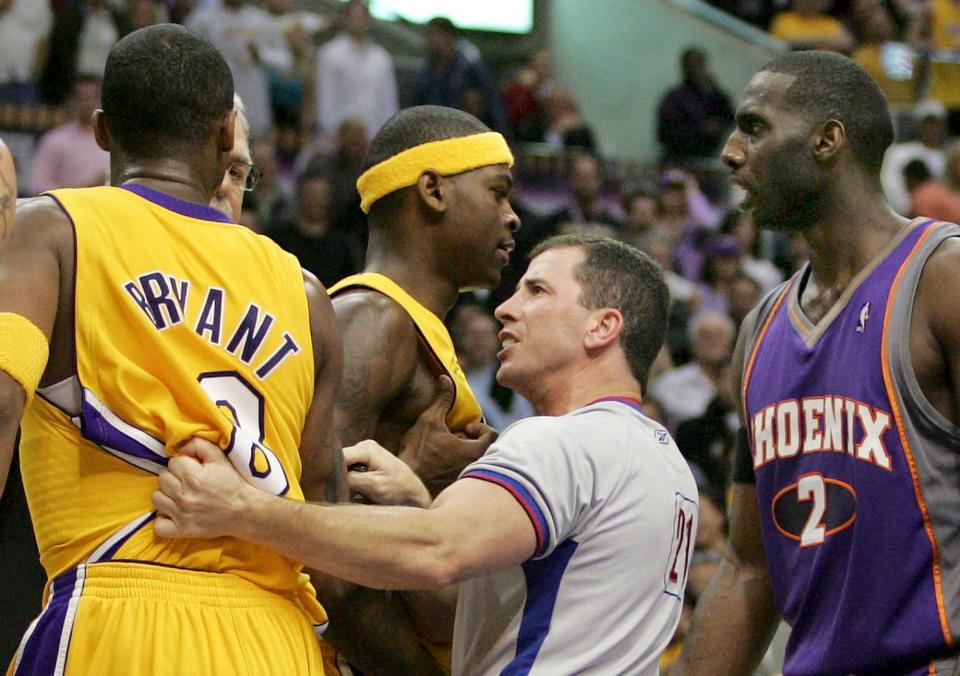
133 618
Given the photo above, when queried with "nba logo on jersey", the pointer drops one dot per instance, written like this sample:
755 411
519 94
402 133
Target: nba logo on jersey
864 316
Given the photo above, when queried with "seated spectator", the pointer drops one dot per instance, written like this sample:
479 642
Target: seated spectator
448 73
585 205
808 25
310 235
68 156
523 98
640 208
687 390
928 196
721 266
474 333
893 65
764 272
694 117
143 13
743 295
566 128
676 221
660 247
931 118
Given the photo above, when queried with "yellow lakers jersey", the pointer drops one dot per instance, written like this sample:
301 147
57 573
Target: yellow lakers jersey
433 335
186 325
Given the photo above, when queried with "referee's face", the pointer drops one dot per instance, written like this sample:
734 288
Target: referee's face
544 324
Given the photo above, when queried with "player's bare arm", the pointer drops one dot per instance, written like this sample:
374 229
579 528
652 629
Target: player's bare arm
36 275
8 192
324 475
935 332
473 527
736 618
380 364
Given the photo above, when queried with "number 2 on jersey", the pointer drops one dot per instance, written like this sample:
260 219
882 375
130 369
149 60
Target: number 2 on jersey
244 406
681 547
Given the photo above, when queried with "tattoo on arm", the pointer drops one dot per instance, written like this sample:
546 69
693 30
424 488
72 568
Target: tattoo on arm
8 195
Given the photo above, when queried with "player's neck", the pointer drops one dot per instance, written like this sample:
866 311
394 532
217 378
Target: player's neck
849 238
428 288
173 177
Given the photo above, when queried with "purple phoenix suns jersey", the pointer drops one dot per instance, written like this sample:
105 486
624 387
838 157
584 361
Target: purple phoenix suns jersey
858 476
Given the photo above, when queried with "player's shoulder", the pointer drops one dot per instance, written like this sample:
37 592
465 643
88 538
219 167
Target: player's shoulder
43 217
372 308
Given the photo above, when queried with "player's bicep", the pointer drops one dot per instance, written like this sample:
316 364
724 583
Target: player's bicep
323 477
379 357
489 528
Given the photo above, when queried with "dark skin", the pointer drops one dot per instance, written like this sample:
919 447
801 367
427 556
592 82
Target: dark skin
736 617
37 281
390 379
8 191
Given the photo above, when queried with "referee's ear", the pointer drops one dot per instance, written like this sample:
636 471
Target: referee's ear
604 328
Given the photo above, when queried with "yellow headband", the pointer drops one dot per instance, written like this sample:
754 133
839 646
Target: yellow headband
447 157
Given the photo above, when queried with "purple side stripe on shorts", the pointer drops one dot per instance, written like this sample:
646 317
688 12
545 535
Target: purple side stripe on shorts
44 648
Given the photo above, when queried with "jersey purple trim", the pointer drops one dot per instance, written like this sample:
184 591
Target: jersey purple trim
521 495
202 211
543 578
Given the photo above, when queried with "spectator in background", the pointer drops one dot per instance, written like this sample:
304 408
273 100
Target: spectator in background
640 209
721 266
355 76
524 96
143 13
448 74
585 206
312 237
676 220
24 30
694 117
808 25
474 333
951 168
928 196
566 128
251 42
890 63
270 204
935 31
342 168
68 156
685 391
81 37
931 118
740 225
289 90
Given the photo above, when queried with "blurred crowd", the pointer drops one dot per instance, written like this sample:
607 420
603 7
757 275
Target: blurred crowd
317 86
